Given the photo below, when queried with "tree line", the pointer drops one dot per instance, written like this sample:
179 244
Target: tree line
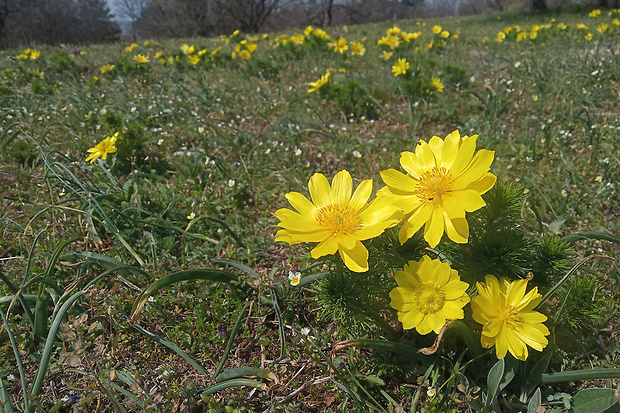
27 22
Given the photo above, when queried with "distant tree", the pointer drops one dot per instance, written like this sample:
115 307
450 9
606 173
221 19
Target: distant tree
9 8
178 18
61 21
250 15
132 10
538 5
95 24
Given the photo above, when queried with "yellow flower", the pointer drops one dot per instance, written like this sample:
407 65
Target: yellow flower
444 180
386 55
436 84
400 67
339 45
508 319
602 27
335 219
595 13
308 30
393 31
437 29
245 54
103 148
357 49
22 56
521 36
429 293
445 34
193 59
140 58
391 41
319 83
588 36
106 68
185 48
34 54
581 26
500 37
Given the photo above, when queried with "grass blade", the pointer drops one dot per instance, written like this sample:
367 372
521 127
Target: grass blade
243 372
209 275
231 340
233 383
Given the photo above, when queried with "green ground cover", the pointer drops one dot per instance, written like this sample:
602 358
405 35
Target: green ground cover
151 281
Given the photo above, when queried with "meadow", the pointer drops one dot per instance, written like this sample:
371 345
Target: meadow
150 259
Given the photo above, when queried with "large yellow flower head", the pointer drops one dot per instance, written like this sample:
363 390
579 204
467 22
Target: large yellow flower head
335 219
103 148
429 293
508 319
444 180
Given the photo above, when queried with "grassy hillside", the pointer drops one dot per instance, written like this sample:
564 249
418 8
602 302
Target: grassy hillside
142 281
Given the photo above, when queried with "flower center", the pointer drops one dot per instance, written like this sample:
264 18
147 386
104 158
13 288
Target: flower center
429 299
339 219
433 185
510 316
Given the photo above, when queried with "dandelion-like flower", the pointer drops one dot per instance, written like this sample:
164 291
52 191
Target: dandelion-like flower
358 48
400 67
429 293
140 58
436 84
437 29
103 148
335 219
508 319
444 180
319 83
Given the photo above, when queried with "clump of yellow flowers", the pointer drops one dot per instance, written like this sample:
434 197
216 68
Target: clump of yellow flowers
443 180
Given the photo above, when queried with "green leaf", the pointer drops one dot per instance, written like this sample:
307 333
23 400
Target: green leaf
594 400
244 372
595 235
555 226
573 375
233 383
494 379
238 266
535 402
209 275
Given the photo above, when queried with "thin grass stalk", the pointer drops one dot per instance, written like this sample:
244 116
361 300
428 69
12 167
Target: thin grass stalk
335 370
18 360
17 295
231 340
281 332
166 343
553 289
49 343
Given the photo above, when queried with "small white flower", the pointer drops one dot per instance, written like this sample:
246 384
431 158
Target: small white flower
305 331
191 216
295 277
431 392
297 152
150 299
133 109
10 377
517 64
160 142
231 182
201 129
268 151
594 73
357 154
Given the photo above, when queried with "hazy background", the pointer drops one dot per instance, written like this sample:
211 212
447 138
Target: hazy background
31 22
